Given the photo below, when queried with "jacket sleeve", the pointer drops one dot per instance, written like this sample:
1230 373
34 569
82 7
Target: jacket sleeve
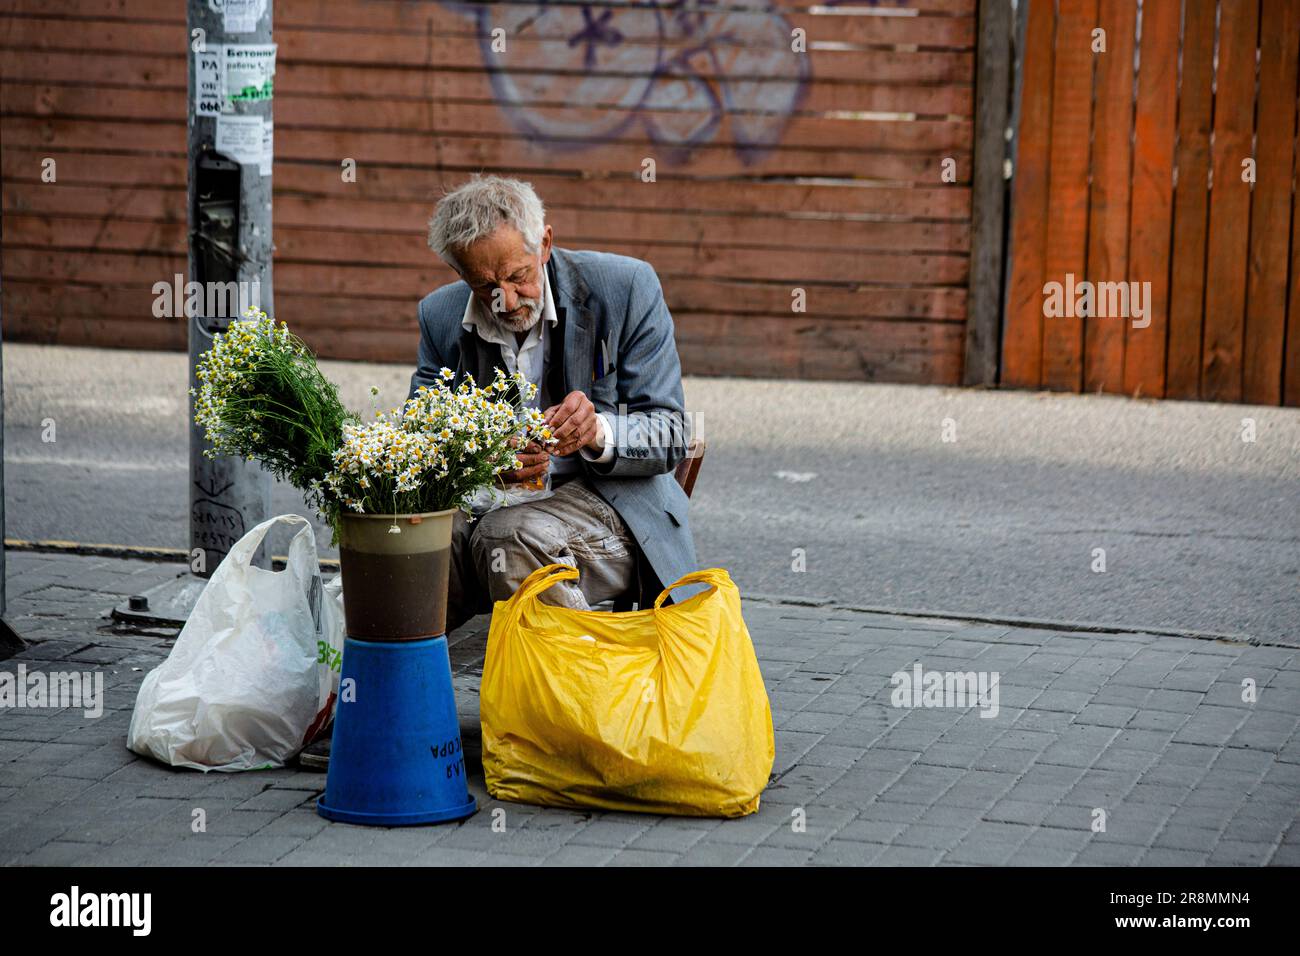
650 422
430 361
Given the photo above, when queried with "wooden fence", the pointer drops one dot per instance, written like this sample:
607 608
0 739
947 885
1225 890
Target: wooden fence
1174 167
775 170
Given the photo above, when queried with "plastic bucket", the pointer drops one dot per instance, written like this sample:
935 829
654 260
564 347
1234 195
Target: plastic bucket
395 574
396 756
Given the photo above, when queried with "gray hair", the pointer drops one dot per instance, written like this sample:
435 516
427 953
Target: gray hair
478 208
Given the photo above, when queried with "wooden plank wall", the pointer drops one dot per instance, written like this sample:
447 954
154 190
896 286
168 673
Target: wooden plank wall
775 171
1132 169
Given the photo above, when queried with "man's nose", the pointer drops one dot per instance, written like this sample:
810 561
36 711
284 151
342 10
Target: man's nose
509 299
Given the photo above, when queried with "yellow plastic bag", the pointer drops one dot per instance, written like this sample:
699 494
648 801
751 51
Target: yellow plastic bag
661 710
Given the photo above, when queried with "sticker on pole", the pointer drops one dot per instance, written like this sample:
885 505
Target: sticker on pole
228 74
242 138
208 89
239 16
249 70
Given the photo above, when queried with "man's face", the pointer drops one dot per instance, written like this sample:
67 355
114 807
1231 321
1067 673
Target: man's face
505 278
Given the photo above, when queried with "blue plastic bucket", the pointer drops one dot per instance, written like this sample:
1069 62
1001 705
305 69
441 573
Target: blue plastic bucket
396 757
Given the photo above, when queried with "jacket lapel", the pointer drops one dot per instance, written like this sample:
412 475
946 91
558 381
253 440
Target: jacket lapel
489 360
478 358
571 295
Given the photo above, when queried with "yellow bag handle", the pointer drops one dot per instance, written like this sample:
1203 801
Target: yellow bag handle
545 576
713 576
539 581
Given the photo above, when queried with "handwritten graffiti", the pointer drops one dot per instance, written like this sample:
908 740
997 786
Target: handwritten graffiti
214 525
574 75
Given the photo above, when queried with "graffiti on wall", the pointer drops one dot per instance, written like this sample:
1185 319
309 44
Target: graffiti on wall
578 74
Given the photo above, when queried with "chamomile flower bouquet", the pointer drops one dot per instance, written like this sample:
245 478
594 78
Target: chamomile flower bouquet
262 397
437 450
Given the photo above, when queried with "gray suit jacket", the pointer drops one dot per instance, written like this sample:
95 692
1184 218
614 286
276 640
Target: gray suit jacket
616 299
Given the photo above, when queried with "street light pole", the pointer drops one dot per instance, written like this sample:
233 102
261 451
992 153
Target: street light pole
231 65
230 241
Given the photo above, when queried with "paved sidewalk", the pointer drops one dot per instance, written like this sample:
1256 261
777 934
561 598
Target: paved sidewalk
1147 733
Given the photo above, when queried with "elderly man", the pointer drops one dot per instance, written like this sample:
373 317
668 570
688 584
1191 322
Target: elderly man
591 330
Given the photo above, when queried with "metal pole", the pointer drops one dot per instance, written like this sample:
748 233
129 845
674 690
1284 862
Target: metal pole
229 240
231 62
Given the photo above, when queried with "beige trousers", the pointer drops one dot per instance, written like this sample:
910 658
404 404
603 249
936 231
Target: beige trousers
492 555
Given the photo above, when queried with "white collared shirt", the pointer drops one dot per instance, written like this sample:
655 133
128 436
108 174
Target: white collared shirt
532 359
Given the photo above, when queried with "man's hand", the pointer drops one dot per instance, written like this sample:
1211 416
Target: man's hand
536 460
573 422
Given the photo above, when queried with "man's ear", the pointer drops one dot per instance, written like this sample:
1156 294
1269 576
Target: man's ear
546 245
450 261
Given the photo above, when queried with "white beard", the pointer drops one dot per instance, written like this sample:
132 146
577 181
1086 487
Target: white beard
527 320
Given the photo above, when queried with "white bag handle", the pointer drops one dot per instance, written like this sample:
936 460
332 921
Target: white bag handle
246 547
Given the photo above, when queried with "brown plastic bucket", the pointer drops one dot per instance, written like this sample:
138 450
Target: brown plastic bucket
395 582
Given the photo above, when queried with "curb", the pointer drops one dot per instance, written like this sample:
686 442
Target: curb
138 552
55 546
1012 620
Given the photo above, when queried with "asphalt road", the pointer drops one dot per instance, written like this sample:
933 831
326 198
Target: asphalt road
1200 529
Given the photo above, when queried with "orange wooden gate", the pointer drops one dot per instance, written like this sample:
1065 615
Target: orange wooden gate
777 171
1115 159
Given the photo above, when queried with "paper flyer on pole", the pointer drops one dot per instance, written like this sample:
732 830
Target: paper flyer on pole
209 92
242 138
231 73
248 70
239 16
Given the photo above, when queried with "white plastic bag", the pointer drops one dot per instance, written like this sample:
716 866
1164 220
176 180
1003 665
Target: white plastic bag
493 496
254 673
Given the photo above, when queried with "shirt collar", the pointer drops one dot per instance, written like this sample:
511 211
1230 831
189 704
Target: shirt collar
489 329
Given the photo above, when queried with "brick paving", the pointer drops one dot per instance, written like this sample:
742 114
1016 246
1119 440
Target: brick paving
1149 734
